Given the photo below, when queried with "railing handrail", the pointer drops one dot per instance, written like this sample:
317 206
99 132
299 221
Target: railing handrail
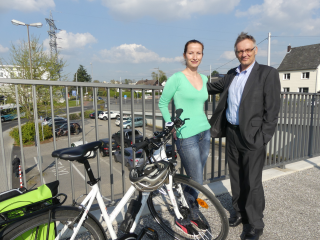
76 84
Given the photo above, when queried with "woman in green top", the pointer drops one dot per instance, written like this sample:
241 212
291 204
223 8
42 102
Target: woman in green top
189 92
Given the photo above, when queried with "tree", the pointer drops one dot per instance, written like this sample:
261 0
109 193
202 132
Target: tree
127 81
44 67
161 74
82 75
214 73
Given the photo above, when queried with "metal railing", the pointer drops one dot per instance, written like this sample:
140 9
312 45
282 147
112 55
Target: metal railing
296 137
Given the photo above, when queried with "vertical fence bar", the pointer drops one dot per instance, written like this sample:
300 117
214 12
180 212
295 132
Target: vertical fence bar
317 125
220 157
133 127
83 136
213 144
4 157
20 136
304 128
284 129
144 113
95 96
54 135
277 157
289 128
36 123
300 126
310 124
110 150
298 122
154 110
122 143
307 129
206 165
69 143
293 127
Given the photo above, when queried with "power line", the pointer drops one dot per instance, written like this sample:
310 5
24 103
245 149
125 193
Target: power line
296 36
236 58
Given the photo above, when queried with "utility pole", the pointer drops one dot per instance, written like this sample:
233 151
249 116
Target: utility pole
210 81
269 47
77 87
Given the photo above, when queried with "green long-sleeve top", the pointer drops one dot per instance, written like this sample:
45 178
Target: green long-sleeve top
189 99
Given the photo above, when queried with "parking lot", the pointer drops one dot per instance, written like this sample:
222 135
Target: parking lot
66 175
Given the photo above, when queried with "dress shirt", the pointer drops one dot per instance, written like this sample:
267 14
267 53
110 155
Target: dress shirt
235 94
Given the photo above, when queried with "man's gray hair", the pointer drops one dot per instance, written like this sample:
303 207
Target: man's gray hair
243 36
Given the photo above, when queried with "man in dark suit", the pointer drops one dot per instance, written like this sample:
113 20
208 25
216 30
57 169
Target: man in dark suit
247 116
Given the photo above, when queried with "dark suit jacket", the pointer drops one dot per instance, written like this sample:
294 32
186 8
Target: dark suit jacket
259 106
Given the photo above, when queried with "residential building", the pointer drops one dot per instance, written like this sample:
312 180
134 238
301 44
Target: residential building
299 70
11 71
148 82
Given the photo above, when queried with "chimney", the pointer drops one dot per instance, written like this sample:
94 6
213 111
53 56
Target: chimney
289 48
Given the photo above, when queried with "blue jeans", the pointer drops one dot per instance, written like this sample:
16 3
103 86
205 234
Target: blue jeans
194 153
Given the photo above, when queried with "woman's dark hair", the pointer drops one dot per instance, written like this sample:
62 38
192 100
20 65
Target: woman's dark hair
192 41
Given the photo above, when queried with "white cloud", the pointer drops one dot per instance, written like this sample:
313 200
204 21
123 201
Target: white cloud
132 53
26 5
69 41
167 9
262 53
3 49
229 55
284 15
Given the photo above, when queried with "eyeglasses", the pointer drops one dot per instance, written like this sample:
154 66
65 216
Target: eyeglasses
247 51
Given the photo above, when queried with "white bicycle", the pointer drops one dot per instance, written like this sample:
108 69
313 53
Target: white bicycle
165 192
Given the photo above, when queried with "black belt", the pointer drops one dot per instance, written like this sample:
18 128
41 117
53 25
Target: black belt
232 126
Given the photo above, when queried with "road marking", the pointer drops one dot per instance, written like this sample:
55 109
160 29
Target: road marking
35 159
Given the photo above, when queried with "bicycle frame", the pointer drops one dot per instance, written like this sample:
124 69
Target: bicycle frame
95 194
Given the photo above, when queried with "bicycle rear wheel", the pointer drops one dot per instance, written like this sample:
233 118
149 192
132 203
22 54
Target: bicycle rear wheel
210 212
36 228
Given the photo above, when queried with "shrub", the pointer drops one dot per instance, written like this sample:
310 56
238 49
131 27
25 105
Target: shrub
74 116
86 113
28 132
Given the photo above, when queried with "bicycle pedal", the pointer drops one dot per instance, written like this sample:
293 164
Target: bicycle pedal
149 232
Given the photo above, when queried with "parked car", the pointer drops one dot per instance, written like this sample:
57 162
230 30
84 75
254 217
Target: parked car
138 122
57 124
78 143
124 119
93 114
104 149
127 137
56 119
128 156
100 98
105 115
63 129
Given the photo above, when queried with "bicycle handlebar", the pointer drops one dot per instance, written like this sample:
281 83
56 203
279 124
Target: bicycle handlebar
155 142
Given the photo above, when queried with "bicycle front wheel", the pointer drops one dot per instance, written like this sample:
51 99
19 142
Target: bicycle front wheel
37 227
209 210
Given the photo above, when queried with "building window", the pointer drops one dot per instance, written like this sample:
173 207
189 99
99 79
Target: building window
304 90
286 89
286 76
305 75
1 74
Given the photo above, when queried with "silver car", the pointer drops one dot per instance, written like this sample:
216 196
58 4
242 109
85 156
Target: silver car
128 157
124 118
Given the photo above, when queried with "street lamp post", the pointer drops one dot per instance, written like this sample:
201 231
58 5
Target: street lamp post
38 25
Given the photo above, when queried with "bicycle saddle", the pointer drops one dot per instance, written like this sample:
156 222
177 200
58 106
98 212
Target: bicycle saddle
77 153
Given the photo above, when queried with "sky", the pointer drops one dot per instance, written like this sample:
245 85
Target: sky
129 39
